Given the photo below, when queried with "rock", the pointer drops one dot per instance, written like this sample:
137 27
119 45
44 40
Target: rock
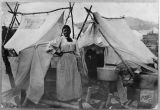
86 105
114 101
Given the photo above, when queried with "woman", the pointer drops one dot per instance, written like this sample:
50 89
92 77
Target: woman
68 78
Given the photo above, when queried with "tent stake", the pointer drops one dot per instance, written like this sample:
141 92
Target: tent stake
84 23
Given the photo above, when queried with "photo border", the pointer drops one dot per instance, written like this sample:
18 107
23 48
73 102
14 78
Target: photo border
78 1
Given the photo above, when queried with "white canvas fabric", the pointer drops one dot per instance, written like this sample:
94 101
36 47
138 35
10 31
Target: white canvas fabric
33 60
138 34
120 36
31 30
91 36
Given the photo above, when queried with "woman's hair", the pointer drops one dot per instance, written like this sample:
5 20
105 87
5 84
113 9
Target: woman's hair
69 39
69 29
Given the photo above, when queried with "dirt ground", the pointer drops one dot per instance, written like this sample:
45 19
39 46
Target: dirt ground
99 94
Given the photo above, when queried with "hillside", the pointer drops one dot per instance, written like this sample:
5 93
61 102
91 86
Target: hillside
134 23
138 24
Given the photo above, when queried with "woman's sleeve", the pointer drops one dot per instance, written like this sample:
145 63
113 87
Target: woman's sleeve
54 45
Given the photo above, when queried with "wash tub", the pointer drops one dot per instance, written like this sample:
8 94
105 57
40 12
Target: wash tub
107 73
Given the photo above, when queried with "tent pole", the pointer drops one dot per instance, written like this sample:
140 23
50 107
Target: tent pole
71 8
122 17
130 71
68 15
5 58
14 15
11 24
12 11
84 23
39 12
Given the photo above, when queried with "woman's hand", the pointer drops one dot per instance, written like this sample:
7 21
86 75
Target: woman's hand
49 50
59 53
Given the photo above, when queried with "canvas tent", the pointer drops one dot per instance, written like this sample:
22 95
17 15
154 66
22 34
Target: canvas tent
138 34
30 42
120 36
32 28
48 6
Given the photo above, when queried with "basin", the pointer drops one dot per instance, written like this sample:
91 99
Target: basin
107 73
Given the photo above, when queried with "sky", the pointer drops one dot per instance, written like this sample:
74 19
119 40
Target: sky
147 11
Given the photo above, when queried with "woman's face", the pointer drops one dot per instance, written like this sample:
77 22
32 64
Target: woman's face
66 32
